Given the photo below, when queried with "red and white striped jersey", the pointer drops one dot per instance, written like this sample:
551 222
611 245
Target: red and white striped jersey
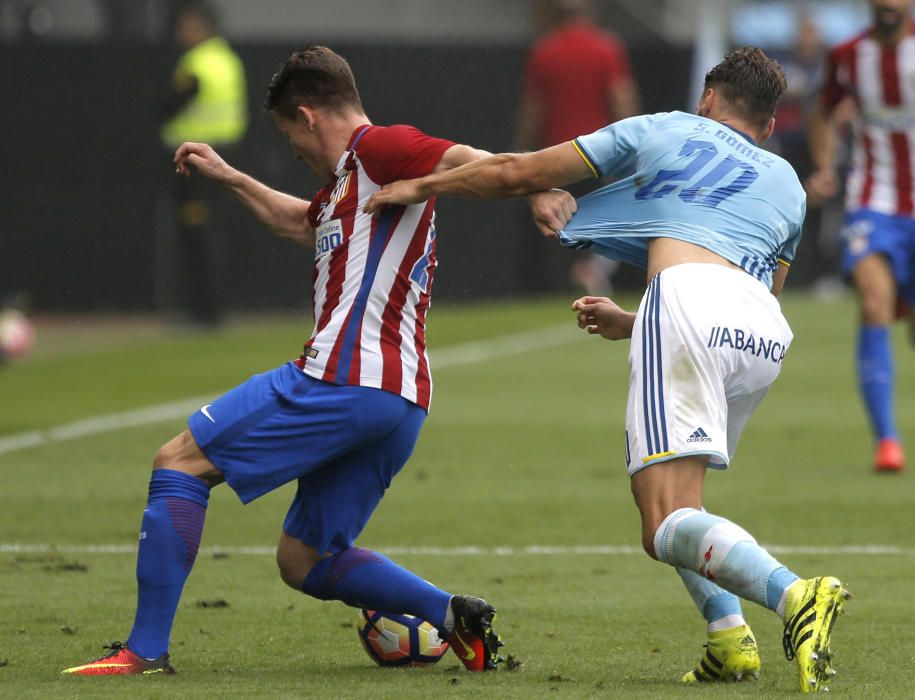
373 276
881 79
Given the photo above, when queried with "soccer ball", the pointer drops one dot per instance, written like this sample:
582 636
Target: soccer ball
399 640
16 335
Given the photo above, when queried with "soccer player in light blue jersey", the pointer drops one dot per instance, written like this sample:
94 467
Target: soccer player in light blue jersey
715 221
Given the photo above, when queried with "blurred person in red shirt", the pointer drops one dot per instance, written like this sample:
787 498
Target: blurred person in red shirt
577 79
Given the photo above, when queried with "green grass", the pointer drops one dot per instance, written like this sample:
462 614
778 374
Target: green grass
520 450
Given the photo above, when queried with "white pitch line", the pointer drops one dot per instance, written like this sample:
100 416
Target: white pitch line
506 345
102 424
464 354
530 550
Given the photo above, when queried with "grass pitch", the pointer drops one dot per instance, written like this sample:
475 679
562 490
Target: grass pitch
522 452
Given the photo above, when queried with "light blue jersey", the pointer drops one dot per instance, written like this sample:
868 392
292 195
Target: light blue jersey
693 179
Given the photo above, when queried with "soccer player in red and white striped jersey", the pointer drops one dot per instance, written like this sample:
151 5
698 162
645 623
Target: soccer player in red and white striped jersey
373 277
341 420
877 71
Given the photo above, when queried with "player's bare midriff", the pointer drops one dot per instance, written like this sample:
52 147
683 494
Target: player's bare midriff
667 252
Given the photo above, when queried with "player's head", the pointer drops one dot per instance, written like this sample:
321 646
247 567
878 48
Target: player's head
314 101
572 10
889 15
552 14
194 22
316 78
746 85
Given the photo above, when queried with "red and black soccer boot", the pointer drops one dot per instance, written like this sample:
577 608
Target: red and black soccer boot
473 639
121 661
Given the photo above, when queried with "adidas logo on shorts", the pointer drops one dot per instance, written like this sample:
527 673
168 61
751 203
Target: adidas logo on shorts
699 436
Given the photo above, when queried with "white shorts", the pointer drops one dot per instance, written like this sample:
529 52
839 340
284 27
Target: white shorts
707 343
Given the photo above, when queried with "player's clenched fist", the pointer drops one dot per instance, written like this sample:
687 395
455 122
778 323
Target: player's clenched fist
207 161
601 316
552 210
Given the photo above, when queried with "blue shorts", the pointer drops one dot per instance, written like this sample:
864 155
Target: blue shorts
867 232
344 444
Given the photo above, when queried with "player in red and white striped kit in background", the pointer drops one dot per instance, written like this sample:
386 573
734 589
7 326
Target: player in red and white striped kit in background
343 419
877 71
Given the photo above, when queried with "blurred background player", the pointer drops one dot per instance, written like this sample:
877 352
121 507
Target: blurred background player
715 221
803 66
577 78
207 102
803 62
344 418
877 70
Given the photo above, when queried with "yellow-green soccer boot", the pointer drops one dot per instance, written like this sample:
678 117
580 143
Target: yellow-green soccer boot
730 655
811 607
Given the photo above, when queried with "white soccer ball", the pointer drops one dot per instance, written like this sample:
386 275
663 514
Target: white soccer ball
17 335
399 640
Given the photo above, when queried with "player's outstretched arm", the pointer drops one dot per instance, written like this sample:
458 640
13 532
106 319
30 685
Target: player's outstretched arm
551 209
501 175
283 214
601 316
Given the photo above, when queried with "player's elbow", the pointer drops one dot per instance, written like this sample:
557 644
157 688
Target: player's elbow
518 178
296 233
779 279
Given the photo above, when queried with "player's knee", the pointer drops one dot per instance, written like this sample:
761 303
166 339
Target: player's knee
876 292
648 534
165 456
876 309
182 454
171 456
294 561
652 514
292 572
173 453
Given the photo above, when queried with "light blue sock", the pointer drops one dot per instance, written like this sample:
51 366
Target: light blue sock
720 609
722 552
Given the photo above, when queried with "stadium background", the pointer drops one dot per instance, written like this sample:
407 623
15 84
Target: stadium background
86 226
516 490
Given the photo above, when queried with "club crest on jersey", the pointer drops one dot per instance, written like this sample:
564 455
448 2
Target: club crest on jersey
857 236
341 189
329 236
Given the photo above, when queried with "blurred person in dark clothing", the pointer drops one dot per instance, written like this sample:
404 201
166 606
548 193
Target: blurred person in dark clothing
803 66
206 102
577 79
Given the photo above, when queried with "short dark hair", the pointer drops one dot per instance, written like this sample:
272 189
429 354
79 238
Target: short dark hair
750 81
315 76
196 8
